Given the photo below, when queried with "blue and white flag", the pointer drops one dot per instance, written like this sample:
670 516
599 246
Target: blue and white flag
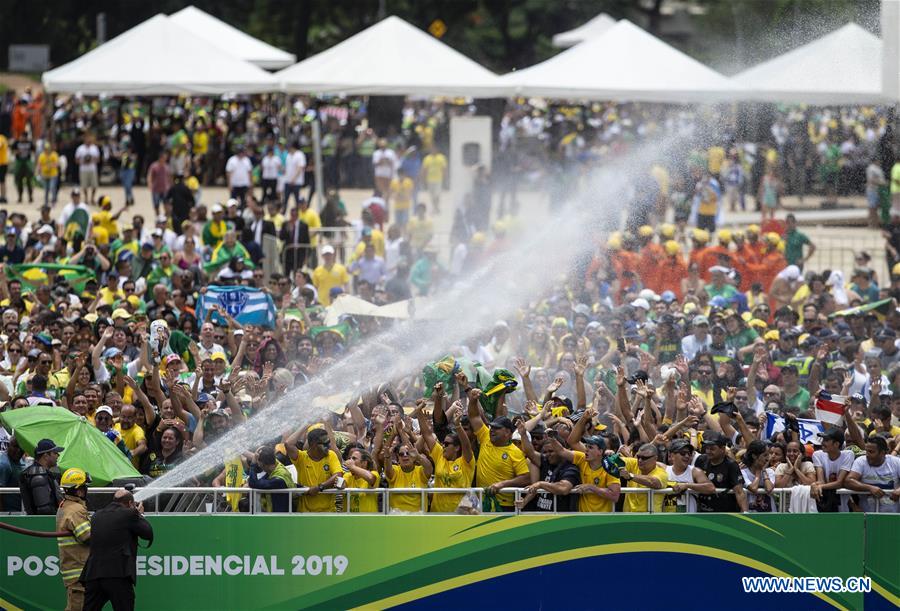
246 305
809 429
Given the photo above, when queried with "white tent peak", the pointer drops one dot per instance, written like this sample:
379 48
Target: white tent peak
623 64
586 31
842 67
391 57
227 37
158 57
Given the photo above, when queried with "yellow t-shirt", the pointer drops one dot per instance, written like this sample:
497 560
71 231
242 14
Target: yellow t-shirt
402 192
4 150
377 242
105 220
715 159
312 473
200 142
420 232
497 464
109 297
48 165
326 279
398 478
637 502
449 474
434 165
312 220
362 502
132 437
598 477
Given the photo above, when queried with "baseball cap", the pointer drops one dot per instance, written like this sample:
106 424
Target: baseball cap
502 422
46 445
640 302
103 409
668 296
700 320
217 208
678 445
204 397
232 203
714 438
172 358
218 355
111 352
328 249
45 229
595 440
120 313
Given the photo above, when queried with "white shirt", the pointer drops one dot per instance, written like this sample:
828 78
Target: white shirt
831 469
271 167
885 476
87 156
380 159
239 171
690 346
179 243
296 165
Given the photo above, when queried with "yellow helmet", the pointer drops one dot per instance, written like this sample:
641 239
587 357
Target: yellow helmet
667 230
672 247
895 271
645 231
75 478
192 183
614 242
478 239
737 234
773 238
753 229
701 235
724 236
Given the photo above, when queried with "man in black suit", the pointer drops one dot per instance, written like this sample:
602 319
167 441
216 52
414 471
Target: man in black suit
111 569
252 235
295 236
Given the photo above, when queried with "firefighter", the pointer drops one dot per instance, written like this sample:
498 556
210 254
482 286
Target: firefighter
72 517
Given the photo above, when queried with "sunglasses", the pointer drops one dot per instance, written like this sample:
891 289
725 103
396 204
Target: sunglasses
17 350
639 457
43 362
402 453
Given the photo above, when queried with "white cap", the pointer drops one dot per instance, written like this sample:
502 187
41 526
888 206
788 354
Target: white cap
649 295
216 208
232 202
719 268
328 249
640 302
45 229
105 409
162 218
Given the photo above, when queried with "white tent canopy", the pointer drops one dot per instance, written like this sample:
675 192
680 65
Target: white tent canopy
592 29
843 67
391 57
232 40
158 57
624 64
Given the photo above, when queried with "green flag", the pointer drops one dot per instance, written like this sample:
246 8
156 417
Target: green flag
84 446
881 308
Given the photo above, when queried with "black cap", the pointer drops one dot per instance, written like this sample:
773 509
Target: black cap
786 311
834 434
502 422
886 333
678 445
640 374
725 407
714 439
46 445
859 397
595 440
539 429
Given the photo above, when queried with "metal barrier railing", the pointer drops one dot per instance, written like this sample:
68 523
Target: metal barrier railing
211 500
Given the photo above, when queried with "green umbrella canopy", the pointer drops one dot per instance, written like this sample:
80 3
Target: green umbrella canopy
84 445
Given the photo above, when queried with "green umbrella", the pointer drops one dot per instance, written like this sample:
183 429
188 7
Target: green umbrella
85 446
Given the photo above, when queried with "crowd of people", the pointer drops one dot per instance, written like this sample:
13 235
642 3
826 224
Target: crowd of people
690 356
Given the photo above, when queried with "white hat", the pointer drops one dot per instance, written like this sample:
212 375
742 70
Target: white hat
328 249
162 218
719 268
105 409
649 295
232 202
216 208
227 274
640 302
45 229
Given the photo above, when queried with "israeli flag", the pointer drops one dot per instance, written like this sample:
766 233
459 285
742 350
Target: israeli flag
809 429
248 306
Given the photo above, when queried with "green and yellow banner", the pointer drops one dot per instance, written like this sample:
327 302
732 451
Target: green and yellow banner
615 561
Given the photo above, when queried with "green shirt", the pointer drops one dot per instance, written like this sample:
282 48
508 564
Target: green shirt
799 401
793 246
726 290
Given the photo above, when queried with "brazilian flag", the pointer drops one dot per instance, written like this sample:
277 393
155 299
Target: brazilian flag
343 330
880 308
32 275
492 386
77 225
222 255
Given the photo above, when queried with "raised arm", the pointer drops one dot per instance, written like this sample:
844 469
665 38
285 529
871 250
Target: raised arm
464 443
524 370
437 395
577 433
580 394
424 425
527 449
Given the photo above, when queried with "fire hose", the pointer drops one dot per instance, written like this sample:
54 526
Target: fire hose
34 533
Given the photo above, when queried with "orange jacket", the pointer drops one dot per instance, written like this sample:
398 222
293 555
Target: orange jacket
650 257
711 258
671 271
765 271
